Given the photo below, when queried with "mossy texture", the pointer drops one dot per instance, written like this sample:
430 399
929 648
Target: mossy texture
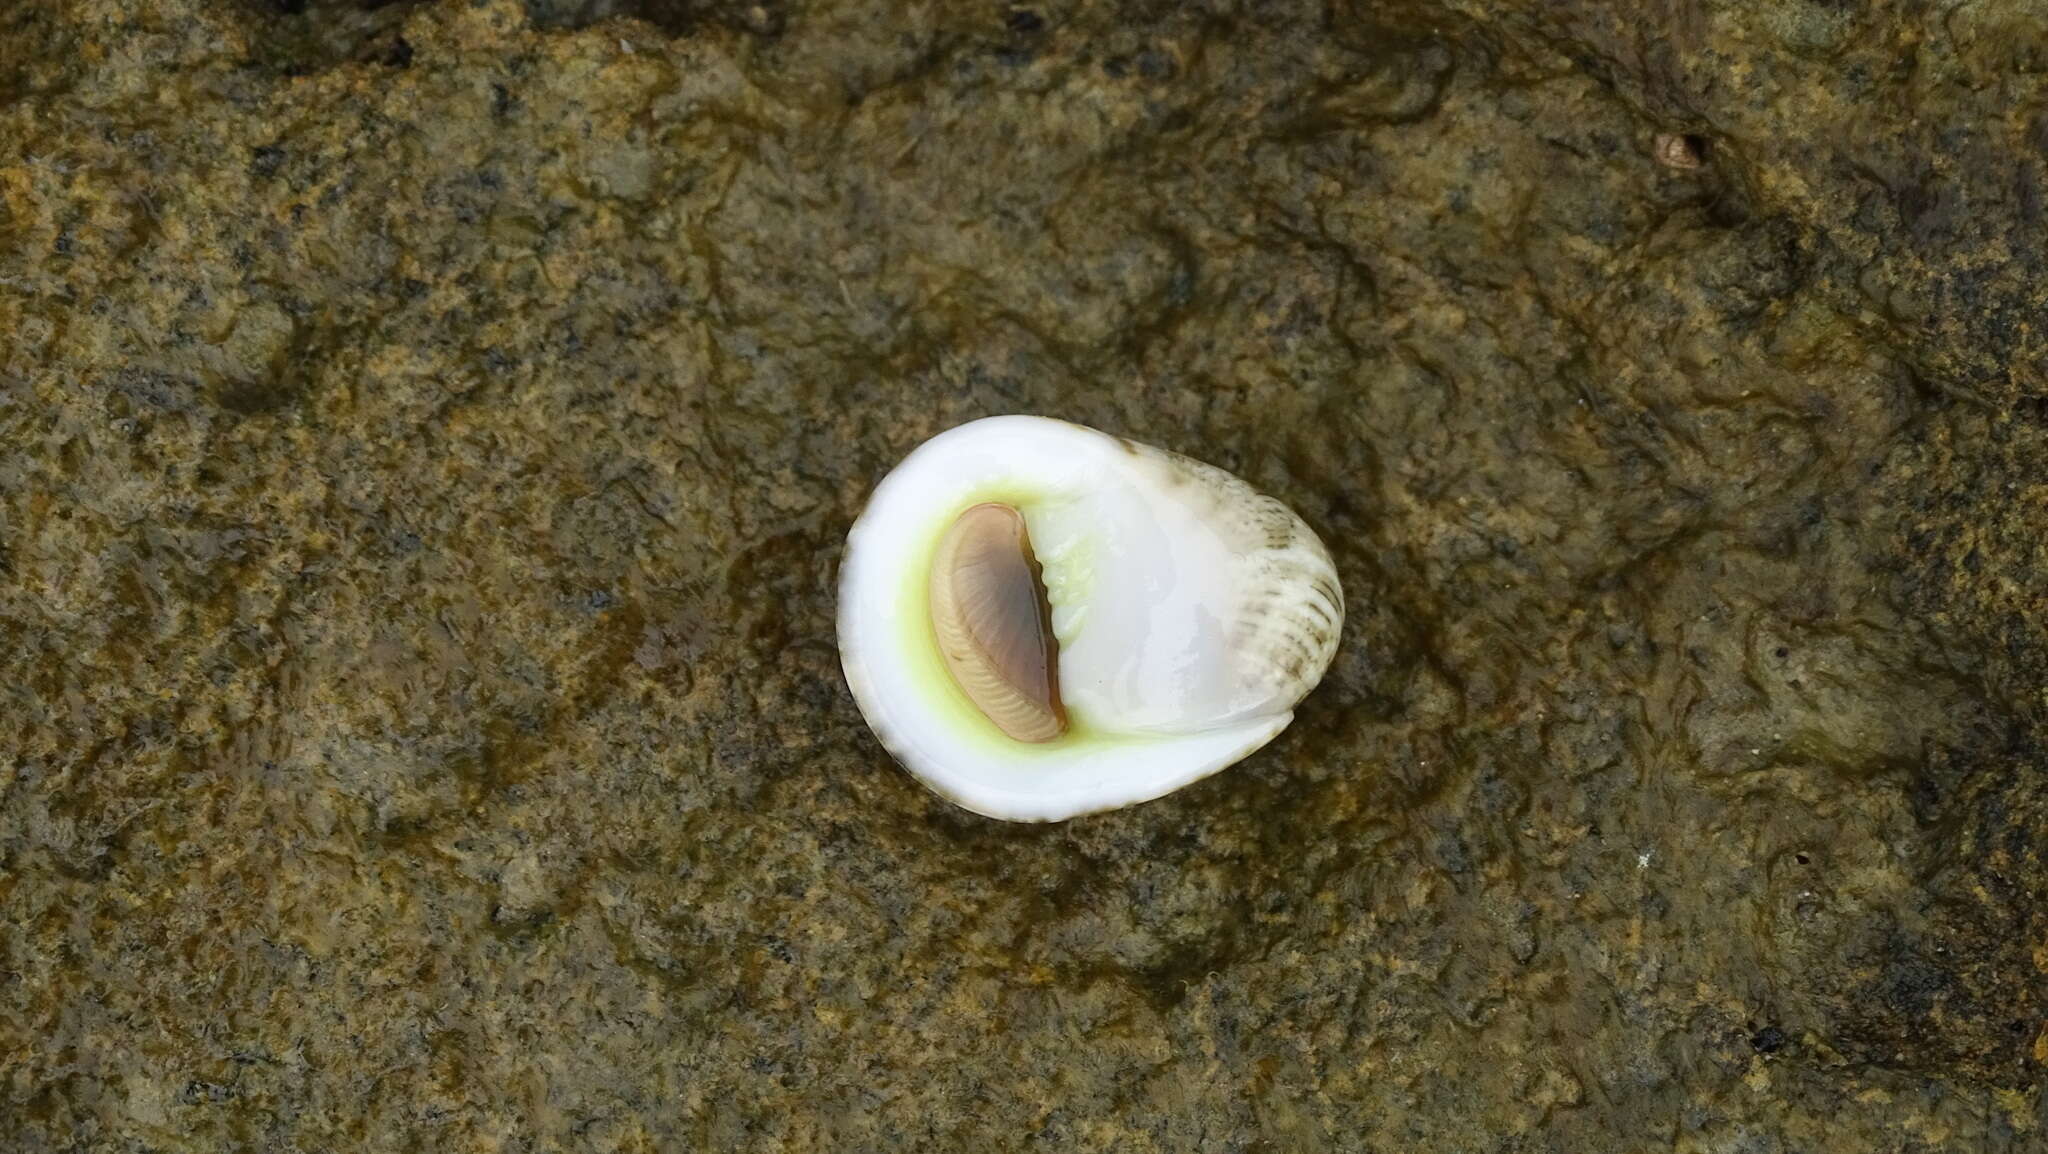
428 430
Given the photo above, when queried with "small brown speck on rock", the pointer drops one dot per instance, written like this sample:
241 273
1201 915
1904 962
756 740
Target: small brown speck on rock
1680 151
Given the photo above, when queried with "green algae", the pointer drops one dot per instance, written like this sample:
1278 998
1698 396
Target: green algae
427 432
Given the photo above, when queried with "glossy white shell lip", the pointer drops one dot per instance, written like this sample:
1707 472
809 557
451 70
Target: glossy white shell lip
994 777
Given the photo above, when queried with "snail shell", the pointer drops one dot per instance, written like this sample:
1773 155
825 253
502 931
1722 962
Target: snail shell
1040 620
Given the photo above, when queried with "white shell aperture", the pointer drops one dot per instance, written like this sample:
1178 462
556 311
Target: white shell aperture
1188 614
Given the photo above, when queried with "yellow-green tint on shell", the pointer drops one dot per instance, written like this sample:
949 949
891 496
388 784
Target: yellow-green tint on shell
993 625
920 644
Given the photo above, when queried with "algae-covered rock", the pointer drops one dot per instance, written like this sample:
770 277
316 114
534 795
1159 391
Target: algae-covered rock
428 430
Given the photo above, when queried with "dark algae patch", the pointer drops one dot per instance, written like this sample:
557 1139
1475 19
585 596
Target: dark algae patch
428 430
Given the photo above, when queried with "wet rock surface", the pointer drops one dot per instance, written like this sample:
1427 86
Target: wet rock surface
427 431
